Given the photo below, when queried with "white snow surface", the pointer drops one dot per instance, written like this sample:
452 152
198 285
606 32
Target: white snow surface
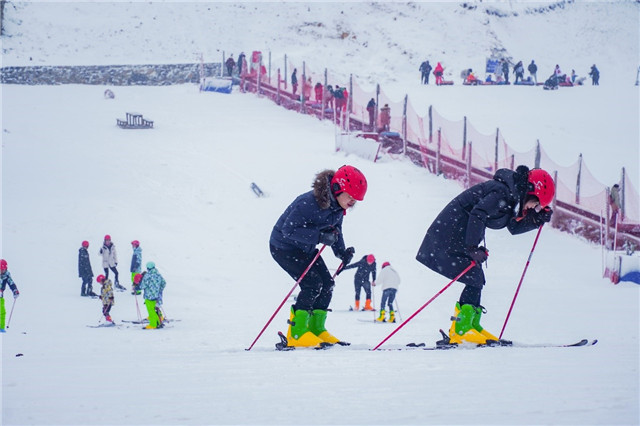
183 190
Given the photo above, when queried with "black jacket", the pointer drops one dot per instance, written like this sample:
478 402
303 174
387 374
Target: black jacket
364 269
461 224
84 264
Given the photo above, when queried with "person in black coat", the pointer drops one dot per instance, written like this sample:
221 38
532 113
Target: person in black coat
425 70
84 270
517 200
313 218
595 75
365 267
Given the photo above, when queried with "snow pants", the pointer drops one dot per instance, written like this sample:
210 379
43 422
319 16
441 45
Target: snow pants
316 288
3 313
115 271
388 296
359 285
151 310
86 285
106 309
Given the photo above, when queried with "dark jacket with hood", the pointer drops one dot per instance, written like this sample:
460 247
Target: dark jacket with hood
298 228
461 224
84 264
364 270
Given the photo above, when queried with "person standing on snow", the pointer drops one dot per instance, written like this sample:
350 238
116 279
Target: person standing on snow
313 218
533 70
294 81
595 75
388 280
106 295
230 63
425 70
84 270
136 262
517 200
5 280
110 260
152 285
366 266
438 72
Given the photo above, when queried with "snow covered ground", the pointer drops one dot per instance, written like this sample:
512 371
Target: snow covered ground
183 190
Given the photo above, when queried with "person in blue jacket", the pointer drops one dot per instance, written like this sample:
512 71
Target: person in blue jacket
365 267
152 285
136 264
313 218
5 280
517 200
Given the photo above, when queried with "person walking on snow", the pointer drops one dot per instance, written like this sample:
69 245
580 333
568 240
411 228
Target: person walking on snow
110 260
152 285
106 295
84 270
313 218
5 280
388 280
517 200
438 72
533 70
136 262
366 266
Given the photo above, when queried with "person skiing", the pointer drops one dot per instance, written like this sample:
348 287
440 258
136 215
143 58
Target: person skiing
517 200
5 280
84 270
136 262
438 72
366 266
313 218
152 285
389 280
106 295
110 260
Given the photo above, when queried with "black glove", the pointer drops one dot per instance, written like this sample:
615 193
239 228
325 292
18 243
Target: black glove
478 254
329 236
544 215
347 256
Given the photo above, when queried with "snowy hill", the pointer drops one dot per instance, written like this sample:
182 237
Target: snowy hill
183 190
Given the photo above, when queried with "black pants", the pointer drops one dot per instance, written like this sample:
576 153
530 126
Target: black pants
316 288
366 285
115 271
86 285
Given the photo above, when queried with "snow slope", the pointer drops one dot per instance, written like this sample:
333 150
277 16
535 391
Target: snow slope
182 189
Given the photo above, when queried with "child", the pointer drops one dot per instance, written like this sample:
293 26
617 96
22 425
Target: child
84 270
389 280
313 218
152 284
106 295
366 265
136 262
5 280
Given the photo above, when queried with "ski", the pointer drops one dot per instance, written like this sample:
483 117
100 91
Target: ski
424 347
376 322
106 324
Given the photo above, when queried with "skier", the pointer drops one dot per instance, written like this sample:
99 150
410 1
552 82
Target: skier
84 270
152 284
110 260
438 72
313 218
595 75
136 262
517 200
425 70
389 280
5 280
366 266
106 295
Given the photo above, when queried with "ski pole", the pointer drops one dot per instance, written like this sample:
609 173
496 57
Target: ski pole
11 313
135 294
287 296
520 283
398 309
471 265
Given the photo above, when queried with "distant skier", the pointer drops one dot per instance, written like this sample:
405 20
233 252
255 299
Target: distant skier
438 72
595 75
533 70
516 200
365 267
5 280
389 281
152 285
425 70
84 270
110 260
136 261
313 218
106 295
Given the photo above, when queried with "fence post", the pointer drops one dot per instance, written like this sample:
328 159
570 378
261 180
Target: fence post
438 170
286 76
622 194
430 123
223 65
404 125
464 138
468 177
375 115
538 154
513 161
554 220
578 179
495 161
269 67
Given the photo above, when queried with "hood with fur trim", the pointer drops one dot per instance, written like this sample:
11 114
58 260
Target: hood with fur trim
322 188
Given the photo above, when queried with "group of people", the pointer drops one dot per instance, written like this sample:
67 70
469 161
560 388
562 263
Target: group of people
234 67
148 283
333 96
502 71
518 200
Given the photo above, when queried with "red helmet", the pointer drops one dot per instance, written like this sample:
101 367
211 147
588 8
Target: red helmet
543 186
385 264
3 265
107 237
100 278
135 243
350 180
370 259
137 278
85 244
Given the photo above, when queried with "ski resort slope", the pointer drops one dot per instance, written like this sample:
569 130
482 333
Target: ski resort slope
183 190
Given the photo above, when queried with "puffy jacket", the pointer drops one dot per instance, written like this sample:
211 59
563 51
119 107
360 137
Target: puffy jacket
84 263
298 228
6 280
364 270
106 293
136 260
388 278
152 284
109 256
